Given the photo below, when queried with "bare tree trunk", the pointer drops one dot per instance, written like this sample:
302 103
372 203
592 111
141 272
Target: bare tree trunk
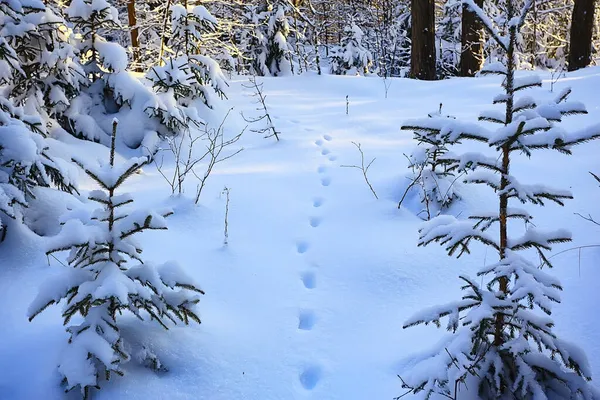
422 65
582 25
471 56
135 46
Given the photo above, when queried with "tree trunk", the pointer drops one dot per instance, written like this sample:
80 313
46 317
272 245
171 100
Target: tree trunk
163 35
471 56
582 25
422 63
135 46
503 214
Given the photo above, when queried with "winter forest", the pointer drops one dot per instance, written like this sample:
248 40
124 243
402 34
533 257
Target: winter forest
299 199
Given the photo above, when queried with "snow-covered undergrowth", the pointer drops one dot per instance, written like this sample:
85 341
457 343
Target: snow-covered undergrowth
308 299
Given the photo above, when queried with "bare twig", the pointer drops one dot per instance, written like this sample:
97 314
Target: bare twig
364 169
556 75
186 162
269 130
387 82
588 218
567 250
216 145
226 191
347 105
412 183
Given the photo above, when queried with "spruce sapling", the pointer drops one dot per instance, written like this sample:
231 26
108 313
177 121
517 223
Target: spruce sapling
432 173
106 276
503 344
351 57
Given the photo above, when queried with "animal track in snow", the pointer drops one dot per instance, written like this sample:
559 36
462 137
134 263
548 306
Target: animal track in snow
321 169
306 320
301 247
319 142
326 181
309 279
315 221
332 158
318 202
310 377
327 137
325 152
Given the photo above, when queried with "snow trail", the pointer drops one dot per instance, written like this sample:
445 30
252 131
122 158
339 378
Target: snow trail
312 373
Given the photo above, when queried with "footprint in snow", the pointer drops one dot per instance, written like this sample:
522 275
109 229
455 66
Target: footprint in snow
326 181
321 169
327 137
315 221
301 247
332 158
318 202
325 152
306 320
319 142
309 280
310 377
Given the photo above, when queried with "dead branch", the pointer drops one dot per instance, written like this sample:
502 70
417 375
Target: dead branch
269 130
364 169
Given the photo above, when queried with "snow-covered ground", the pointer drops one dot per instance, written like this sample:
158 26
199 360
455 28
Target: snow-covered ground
308 299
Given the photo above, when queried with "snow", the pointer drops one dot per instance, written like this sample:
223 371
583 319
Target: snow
308 298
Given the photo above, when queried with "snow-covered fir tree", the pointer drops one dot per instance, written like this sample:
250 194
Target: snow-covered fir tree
503 344
433 178
269 47
112 89
106 277
190 73
91 19
26 157
351 57
51 76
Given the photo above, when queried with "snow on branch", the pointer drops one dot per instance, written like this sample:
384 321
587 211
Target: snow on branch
535 193
452 129
435 313
583 135
534 238
453 234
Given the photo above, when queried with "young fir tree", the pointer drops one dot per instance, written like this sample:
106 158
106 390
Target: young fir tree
106 277
190 73
433 176
503 343
351 57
